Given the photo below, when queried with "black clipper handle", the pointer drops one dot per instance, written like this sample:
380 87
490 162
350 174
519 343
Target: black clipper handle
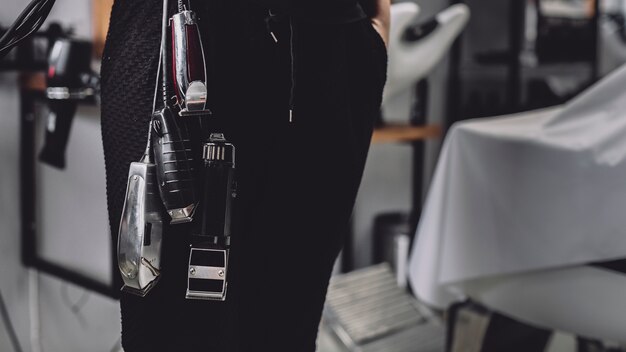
174 160
218 188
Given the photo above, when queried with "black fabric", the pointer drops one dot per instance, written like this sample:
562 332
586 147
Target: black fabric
507 334
324 11
370 7
296 181
618 265
502 334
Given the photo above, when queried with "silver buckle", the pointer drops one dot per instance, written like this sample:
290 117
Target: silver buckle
206 277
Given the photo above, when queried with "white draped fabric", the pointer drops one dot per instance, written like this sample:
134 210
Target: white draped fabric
531 191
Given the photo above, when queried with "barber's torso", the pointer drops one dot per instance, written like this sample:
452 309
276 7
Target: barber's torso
325 11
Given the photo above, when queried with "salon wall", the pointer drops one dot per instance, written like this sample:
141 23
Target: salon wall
13 278
56 315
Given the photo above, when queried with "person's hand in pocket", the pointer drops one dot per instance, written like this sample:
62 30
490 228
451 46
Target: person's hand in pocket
381 19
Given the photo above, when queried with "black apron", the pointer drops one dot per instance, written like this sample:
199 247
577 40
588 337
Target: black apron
297 175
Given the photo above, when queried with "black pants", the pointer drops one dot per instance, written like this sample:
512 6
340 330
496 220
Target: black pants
297 181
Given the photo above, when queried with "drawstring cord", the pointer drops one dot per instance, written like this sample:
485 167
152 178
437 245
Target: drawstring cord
273 17
268 24
292 70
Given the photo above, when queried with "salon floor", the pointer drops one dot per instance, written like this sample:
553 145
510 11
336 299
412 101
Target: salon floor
560 342
327 343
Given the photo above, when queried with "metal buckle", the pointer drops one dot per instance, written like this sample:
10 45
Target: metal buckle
206 277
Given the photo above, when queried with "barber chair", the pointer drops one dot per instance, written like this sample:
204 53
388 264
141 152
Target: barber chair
546 289
414 50
367 312
613 43
584 300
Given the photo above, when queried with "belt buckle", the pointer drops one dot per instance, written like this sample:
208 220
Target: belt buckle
206 277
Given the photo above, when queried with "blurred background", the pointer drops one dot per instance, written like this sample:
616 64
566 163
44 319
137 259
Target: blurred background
450 62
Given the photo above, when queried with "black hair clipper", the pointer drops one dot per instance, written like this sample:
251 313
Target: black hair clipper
174 164
141 228
189 67
208 258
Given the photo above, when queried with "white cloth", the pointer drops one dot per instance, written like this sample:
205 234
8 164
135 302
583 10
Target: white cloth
531 191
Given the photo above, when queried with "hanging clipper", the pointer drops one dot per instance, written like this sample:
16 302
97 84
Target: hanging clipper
208 258
190 77
174 164
141 228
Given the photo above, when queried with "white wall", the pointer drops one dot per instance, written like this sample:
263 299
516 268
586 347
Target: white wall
70 319
13 277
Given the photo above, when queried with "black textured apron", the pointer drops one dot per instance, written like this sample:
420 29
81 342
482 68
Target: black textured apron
297 181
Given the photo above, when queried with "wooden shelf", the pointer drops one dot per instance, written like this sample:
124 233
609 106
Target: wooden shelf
386 134
405 133
33 81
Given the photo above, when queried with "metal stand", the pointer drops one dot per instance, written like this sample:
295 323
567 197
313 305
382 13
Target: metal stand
29 99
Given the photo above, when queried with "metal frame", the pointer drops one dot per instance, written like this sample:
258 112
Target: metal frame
516 15
28 187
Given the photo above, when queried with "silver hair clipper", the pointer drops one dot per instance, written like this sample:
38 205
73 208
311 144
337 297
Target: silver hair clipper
141 228
208 258
190 77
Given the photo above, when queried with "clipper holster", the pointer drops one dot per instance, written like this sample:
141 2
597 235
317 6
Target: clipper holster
208 258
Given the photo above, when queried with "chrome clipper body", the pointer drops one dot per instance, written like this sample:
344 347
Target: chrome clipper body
141 228
208 258
190 77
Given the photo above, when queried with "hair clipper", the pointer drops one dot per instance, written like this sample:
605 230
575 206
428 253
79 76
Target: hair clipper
174 164
189 66
208 258
141 228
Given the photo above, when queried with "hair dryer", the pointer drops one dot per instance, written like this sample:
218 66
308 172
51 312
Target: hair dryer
69 80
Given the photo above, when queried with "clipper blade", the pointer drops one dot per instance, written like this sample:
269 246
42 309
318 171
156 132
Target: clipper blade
189 65
206 277
141 292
